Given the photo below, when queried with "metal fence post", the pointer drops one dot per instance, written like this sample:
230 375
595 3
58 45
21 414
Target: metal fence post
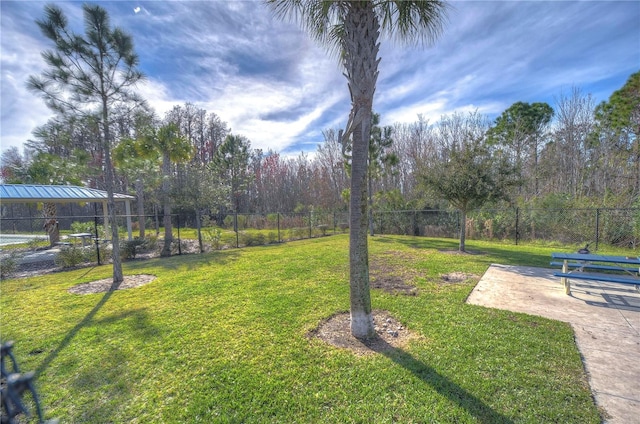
597 227
310 225
95 227
334 222
278 220
179 243
235 227
517 223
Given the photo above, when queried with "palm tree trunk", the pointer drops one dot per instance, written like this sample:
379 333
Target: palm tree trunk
370 195
50 212
361 64
168 235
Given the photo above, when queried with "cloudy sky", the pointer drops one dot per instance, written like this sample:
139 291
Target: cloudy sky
275 86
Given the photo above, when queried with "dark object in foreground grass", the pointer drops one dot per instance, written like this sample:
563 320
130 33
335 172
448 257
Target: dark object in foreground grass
14 386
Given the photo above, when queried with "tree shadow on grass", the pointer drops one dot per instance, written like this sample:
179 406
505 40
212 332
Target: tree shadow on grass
71 334
445 387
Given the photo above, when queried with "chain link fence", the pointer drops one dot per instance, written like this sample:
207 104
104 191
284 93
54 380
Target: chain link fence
615 227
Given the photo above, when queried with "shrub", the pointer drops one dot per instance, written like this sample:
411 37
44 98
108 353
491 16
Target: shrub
92 256
252 239
82 227
298 233
8 265
129 248
212 236
70 256
272 237
179 247
34 243
152 243
323 229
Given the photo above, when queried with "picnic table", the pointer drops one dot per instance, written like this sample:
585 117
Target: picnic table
603 268
83 236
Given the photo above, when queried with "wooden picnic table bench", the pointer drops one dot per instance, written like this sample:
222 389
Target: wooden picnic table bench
617 269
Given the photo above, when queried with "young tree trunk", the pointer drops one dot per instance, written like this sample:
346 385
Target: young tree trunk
463 229
141 217
118 277
199 227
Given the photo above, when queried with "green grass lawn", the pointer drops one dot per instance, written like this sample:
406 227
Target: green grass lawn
223 337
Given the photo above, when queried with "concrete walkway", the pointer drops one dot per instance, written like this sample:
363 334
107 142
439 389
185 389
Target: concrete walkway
605 319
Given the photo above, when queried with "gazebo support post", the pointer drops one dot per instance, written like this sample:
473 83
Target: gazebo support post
127 209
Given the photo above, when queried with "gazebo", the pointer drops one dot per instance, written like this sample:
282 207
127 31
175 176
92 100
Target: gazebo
37 193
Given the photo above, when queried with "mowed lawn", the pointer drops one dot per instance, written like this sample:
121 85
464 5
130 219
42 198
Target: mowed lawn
223 337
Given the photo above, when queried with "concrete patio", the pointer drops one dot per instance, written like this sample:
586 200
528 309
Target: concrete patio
605 319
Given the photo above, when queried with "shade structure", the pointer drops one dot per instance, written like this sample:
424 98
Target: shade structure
36 193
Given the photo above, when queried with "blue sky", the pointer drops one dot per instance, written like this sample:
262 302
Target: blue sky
275 86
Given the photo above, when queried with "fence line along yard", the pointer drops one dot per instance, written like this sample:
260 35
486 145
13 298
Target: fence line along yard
616 227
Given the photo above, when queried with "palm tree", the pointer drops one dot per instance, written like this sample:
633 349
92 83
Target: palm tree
352 30
173 148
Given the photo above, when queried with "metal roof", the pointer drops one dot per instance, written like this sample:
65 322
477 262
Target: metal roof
24 193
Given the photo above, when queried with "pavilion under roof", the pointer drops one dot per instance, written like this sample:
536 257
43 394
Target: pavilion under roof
36 193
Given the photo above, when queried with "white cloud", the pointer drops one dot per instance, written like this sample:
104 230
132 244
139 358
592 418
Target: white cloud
269 82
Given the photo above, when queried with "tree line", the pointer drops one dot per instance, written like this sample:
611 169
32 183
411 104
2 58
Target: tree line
574 154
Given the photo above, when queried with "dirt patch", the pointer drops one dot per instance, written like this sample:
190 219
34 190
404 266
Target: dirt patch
106 284
458 277
393 272
390 334
458 252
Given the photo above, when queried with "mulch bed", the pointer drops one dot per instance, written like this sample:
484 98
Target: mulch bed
390 334
106 284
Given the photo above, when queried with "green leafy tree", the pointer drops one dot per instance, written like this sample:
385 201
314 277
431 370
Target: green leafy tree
135 161
520 129
381 160
231 160
619 119
201 189
352 29
469 176
89 75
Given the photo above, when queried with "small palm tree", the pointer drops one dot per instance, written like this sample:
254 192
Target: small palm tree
352 29
173 148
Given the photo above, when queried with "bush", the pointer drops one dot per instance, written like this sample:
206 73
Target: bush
82 227
323 229
92 256
252 239
212 236
151 243
70 256
272 237
298 233
8 265
179 247
129 248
